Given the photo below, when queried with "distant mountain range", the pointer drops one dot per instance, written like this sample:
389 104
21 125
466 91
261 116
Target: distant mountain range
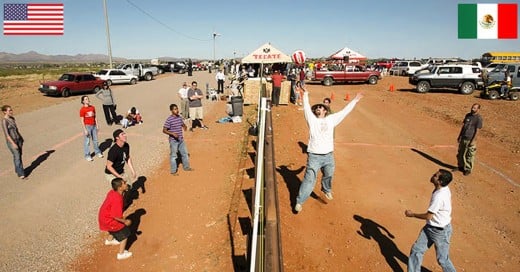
35 57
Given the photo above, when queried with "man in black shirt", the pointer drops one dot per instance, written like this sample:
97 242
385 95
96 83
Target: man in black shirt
467 140
118 155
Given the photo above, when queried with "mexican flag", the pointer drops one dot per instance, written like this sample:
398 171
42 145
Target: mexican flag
488 21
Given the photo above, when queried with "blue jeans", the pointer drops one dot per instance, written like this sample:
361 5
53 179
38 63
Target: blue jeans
17 158
316 162
431 236
91 133
176 146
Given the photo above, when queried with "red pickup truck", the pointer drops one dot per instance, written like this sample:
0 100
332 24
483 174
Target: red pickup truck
352 73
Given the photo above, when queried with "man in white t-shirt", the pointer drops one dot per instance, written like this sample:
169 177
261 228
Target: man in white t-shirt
183 95
321 146
437 230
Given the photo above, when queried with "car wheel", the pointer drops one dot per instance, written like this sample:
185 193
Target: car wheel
133 81
160 71
467 88
96 89
65 92
372 80
403 73
148 76
423 87
328 81
109 82
514 96
493 94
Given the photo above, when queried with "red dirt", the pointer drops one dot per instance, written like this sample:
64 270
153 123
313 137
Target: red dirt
385 151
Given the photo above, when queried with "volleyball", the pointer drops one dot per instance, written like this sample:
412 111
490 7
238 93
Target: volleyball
298 57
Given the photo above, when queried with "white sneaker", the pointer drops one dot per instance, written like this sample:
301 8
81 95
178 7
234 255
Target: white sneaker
125 255
329 196
89 158
100 155
112 242
298 207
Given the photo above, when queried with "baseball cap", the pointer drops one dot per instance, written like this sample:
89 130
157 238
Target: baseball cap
116 133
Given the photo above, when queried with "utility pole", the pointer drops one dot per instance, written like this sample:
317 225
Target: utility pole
214 37
108 34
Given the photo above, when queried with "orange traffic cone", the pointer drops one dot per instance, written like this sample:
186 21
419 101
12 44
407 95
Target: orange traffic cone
347 97
391 87
332 96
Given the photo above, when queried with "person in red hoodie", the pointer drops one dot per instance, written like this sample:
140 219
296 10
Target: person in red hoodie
111 218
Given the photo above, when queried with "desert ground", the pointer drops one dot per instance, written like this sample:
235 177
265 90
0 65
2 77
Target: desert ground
386 151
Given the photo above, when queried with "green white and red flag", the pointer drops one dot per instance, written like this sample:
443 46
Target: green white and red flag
488 21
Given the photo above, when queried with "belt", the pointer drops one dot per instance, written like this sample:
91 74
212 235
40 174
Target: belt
437 228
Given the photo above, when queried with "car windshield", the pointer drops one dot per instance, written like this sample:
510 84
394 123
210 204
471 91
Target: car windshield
499 68
66 77
102 72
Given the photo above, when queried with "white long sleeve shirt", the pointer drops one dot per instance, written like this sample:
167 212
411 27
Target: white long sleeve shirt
321 130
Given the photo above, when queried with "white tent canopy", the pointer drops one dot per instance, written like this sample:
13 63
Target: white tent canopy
352 55
266 54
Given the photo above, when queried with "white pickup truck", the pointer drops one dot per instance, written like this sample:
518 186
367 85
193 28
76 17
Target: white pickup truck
139 70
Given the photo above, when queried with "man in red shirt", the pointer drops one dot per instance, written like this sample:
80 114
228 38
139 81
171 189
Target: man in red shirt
111 218
277 79
87 113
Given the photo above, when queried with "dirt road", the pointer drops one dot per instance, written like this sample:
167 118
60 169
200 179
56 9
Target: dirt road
386 151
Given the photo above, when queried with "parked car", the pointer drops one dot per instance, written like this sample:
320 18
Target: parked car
178 67
116 76
407 67
72 83
498 73
465 77
144 72
349 73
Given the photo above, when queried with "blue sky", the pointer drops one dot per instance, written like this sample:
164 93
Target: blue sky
147 29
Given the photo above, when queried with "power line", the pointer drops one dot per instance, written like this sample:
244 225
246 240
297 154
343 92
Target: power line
165 25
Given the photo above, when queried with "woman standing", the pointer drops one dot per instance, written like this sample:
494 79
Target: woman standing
13 139
109 106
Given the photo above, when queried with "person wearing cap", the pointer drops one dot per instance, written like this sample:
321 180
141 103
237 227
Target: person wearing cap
183 95
118 156
109 105
321 147
87 113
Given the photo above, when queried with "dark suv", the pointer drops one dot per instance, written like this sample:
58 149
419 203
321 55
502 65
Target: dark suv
464 77
72 83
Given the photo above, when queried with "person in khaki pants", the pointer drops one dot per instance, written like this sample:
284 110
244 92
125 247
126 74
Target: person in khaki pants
467 140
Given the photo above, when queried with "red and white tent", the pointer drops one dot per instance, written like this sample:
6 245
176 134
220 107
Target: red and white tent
352 55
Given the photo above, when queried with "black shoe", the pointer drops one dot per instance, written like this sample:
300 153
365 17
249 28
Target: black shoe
467 172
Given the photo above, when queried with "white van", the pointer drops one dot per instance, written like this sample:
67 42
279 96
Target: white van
407 67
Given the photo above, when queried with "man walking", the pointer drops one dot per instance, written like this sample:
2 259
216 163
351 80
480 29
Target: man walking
321 146
118 155
173 127
467 140
87 113
195 96
437 230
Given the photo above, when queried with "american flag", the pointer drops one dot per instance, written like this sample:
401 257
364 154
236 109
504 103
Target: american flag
33 19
